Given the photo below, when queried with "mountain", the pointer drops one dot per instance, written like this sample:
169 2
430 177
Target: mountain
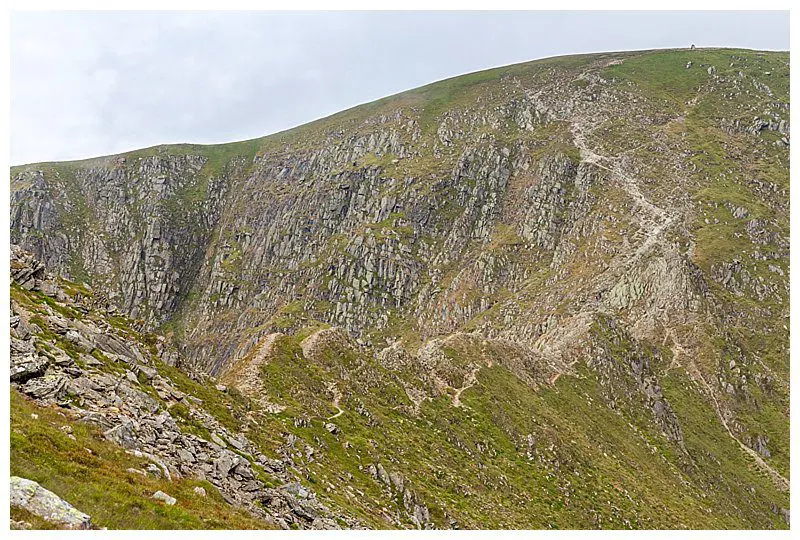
553 294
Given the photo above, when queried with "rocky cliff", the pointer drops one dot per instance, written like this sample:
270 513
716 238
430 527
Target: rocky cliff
606 233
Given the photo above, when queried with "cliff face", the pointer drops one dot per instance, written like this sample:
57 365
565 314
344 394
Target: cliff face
621 212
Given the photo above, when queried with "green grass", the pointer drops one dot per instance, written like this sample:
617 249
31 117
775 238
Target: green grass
592 467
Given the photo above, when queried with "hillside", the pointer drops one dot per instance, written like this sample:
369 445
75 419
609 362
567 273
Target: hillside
553 294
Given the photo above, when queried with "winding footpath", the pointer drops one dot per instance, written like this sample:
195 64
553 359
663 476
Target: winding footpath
653 229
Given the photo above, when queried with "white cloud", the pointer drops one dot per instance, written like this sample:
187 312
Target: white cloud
87 84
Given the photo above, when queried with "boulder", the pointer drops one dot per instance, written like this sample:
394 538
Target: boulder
163 497
22 346
29 366
29 495
185 456
50 387
123 434
227 461
148 372
218 440
79 340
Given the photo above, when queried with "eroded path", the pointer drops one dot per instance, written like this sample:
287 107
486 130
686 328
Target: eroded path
337 396
653 222
246 376
469 381
691 368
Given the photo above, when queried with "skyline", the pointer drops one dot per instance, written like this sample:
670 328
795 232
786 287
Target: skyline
92 84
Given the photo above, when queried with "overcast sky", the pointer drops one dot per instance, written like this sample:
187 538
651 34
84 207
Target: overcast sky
88 84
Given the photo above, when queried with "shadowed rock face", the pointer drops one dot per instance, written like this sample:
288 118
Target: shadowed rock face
619 211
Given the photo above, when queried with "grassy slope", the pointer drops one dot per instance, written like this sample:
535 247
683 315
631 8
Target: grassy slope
725 169
589 466
91 473
592 467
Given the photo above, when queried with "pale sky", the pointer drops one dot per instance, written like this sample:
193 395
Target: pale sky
89 84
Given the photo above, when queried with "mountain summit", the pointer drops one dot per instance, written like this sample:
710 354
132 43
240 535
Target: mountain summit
553 294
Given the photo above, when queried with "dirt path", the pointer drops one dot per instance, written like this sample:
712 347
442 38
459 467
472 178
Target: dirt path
628 183
780 482
309 346
337 396
309 343
691 368
247 378
470 381
653 221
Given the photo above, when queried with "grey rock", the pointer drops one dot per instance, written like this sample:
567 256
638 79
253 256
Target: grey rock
218 440
32 497
124 434
225 463
163 497
154 470
97 419
238 442
760 446
185 455
296 489
48 387
80 341
148 372
29 366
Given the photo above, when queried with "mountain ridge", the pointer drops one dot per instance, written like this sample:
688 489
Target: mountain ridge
22 166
